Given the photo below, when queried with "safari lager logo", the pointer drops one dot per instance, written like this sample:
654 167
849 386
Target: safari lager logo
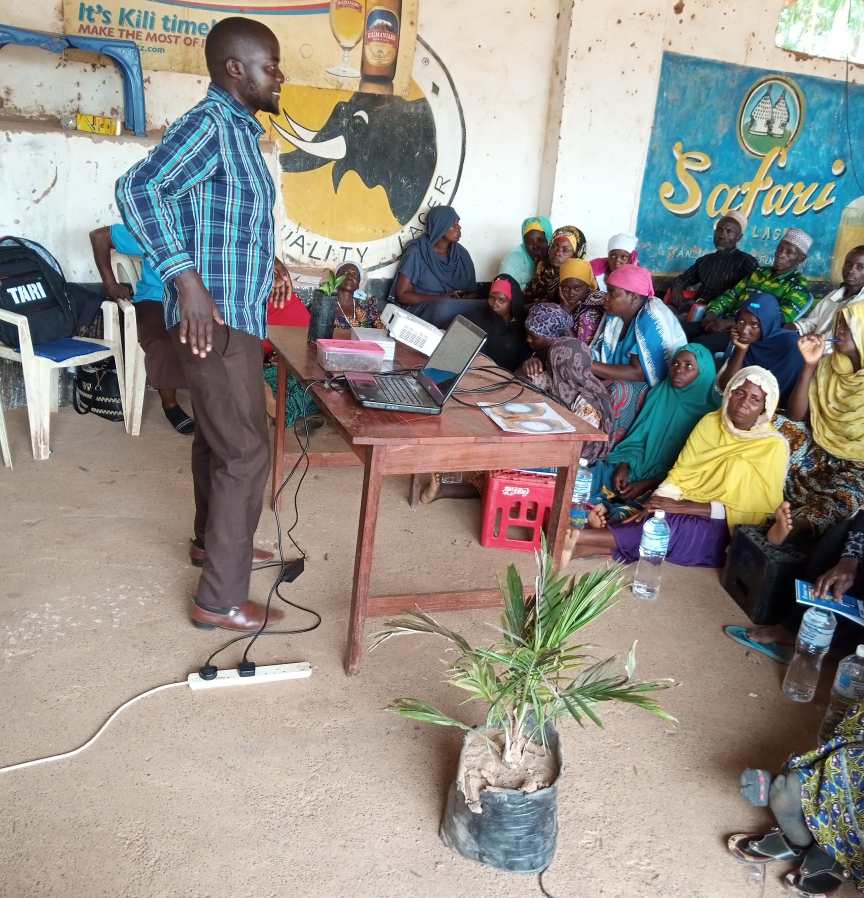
771 116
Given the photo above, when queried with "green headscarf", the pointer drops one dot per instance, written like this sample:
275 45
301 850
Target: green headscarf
517 263
666 421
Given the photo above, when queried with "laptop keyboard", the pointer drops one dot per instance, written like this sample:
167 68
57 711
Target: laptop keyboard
400 390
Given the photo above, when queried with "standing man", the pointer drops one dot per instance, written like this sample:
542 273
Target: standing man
714 273
201 206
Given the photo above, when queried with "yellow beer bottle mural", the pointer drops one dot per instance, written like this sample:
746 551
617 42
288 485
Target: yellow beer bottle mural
849 234
346 23
381 39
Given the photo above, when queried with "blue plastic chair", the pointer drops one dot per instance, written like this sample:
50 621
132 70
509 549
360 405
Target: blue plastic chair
125 54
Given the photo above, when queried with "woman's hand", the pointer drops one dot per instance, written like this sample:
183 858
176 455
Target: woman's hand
838 580
619 478
638 488
663 503
812 348
532 367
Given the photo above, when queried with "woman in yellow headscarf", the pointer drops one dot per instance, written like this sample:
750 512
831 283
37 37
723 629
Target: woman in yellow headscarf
578 295
824 424
729 472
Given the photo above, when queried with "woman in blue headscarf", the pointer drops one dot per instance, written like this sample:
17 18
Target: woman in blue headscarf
760 339
521 262
435 279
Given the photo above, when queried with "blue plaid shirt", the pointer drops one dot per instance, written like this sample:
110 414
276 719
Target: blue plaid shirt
203 199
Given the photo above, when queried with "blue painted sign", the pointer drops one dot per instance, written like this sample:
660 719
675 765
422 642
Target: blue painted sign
773 146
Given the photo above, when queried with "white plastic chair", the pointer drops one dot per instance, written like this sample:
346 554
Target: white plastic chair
4 441
42 374
127 270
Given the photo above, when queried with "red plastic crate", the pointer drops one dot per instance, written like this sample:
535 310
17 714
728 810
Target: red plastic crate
516 509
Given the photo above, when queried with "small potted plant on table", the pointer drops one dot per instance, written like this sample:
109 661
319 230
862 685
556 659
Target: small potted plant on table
322 312
502 807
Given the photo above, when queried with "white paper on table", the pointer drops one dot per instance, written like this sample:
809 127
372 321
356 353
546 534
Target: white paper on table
527 417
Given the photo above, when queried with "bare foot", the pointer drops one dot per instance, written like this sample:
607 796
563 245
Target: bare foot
570 540
430 494
597 517
777 633
782 526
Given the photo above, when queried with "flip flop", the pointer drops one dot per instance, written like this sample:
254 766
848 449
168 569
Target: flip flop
776 652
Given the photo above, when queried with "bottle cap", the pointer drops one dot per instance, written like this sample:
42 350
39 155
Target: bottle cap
860 651
583 462
659 514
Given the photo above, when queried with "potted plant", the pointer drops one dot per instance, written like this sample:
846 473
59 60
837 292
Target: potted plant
502 807
322 312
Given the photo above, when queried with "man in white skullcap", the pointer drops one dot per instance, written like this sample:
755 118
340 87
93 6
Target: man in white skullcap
716 272
783 280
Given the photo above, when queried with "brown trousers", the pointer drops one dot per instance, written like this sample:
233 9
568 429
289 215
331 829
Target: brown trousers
230 459
161 361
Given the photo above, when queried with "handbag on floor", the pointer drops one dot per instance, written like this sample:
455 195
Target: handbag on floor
97 390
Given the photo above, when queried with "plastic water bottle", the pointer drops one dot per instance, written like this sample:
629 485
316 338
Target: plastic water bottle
848 690
652 551
581 495
811 646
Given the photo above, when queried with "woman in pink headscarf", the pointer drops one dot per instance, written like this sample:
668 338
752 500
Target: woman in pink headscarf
638 342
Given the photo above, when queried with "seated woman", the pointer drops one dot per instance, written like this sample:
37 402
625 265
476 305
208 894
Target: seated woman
435 279
641 461
578 295
825 484
503 319
561 367
759 339
817 801
521 262
355 307
567 243
634 350
730 472
621 250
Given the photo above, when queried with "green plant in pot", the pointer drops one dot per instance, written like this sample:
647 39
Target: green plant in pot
322 312
502 808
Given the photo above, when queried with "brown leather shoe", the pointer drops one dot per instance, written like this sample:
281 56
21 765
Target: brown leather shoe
197 555
246 618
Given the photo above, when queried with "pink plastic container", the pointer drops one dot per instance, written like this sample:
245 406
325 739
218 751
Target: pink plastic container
350 355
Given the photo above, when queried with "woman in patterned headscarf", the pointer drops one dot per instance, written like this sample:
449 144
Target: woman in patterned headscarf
567 243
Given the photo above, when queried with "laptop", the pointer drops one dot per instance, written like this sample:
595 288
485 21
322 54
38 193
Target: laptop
425 391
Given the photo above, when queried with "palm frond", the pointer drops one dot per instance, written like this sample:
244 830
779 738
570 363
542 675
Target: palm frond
410 707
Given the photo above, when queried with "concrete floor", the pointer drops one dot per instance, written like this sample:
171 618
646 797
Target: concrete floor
307 788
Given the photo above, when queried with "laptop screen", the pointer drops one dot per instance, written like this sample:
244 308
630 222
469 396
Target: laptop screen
452 356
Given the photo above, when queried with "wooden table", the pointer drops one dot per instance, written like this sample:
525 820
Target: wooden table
459 439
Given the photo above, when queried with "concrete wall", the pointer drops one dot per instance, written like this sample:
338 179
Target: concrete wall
592 130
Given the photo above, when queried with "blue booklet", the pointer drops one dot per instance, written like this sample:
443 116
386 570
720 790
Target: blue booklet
847 606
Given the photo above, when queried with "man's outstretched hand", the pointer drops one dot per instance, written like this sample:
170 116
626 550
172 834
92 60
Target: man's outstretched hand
198 311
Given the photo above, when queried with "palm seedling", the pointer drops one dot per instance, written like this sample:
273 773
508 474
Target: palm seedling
332 284
532 674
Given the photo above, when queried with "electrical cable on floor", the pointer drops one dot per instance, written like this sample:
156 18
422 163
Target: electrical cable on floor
99 732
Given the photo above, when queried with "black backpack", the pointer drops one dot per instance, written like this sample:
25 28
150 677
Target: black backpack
32 284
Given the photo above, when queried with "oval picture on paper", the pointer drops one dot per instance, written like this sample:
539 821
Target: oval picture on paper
771 115
361 170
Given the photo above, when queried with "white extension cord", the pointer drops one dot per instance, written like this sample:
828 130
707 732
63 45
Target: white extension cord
266 674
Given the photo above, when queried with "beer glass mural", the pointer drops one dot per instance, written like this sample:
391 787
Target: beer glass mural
346 23
734 137
376 37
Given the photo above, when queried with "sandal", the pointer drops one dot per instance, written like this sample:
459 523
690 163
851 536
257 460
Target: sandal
776 652
820 876
754 848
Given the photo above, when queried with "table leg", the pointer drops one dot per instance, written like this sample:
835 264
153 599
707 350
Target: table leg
372 477
560 514
279 441
414 491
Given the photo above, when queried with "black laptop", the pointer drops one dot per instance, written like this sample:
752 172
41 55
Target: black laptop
424 391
